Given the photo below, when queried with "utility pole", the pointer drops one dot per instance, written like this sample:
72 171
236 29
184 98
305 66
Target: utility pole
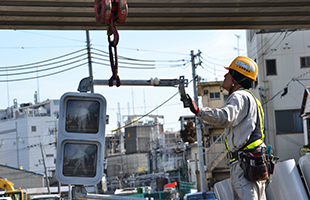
44 164
17 150
90 68
203 184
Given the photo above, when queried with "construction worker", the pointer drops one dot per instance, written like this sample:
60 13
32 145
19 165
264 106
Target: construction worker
243 119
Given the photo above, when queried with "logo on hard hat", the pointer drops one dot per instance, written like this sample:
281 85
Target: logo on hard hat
246 66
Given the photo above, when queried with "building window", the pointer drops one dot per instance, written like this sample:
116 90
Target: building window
56 102
205 92
305 62
52 131
271 67
33 129
288 121
215 95
49 155
215 137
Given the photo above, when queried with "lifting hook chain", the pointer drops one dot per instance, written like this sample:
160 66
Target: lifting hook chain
111 12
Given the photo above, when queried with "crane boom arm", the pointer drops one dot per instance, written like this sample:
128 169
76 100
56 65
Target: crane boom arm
6 184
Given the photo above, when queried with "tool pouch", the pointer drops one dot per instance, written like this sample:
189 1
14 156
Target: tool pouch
254 167
271 163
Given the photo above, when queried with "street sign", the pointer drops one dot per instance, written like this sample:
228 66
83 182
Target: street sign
81 135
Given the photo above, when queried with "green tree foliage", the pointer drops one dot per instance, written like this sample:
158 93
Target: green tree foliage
189 132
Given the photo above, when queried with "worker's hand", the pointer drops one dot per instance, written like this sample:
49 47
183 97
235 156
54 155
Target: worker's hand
192 105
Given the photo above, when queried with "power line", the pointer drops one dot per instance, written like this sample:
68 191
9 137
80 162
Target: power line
138 60
148 112
217 64
271 54
148 50
27 67
262 46
53 36
216 58
43 47
286 86
142 107
46 75
120 62
123 66
35 63
206 69
41 70
39 66
120 47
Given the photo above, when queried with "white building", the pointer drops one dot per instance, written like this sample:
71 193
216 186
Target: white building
282 56
24 129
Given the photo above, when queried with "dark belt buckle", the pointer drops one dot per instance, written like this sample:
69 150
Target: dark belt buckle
240 153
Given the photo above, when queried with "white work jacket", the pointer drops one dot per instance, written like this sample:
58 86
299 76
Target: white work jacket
238 116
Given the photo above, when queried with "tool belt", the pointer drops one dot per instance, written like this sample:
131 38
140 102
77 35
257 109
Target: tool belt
256 164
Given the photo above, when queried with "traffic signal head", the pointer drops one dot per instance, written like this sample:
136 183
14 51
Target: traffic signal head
81 135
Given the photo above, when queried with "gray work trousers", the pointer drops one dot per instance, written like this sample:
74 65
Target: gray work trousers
243 189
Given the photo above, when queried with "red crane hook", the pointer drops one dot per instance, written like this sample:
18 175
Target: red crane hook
111 12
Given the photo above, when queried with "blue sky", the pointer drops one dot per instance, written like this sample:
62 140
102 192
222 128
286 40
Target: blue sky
19 47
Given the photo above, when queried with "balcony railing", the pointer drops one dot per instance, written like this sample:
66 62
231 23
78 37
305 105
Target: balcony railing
216 154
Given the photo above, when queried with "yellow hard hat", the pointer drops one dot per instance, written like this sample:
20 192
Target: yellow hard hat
245 66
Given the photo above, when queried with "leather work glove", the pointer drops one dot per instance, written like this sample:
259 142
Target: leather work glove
192 105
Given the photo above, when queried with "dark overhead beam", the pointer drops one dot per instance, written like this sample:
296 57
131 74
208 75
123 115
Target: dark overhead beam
159 15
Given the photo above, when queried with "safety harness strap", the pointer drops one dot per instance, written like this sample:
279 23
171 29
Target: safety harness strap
257 135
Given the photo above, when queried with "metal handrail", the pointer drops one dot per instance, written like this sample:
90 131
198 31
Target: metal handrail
215 150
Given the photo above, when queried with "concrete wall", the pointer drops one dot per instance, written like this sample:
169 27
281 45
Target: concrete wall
21 148
286 48
204 90
22 178
131 163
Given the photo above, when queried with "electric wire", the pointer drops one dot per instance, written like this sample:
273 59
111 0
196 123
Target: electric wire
283 135
120 62
134 59
27 67
147 50
35 63
8 151
216 58
274 96
262 46
39 66
271 46
99 63
146 113
212 62
134 49
293 79
46 69
217 64
46 75
206 69
43 47
149 111
142 107
270 55
53 36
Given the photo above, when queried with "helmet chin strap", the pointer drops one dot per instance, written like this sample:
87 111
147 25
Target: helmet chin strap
234 82
232 87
